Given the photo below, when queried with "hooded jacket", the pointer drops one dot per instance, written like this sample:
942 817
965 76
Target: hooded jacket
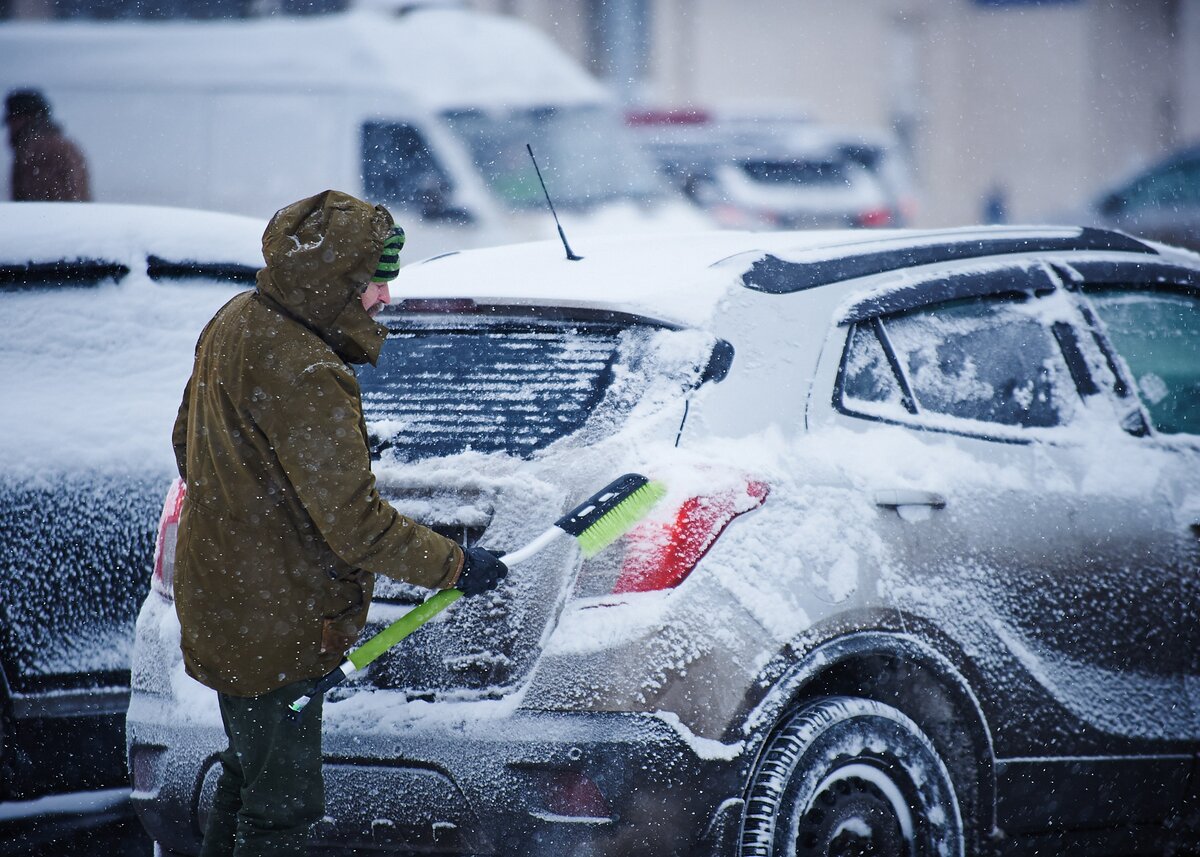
283 531
47 166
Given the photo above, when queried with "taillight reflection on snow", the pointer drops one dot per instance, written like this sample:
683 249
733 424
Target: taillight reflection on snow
163 579
661 554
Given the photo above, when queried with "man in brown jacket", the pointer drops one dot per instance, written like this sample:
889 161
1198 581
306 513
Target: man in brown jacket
47 166
283 530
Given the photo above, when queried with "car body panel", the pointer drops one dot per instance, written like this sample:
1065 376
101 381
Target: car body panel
1022 592
101 304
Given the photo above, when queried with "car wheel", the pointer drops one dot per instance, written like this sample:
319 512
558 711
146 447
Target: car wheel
847 776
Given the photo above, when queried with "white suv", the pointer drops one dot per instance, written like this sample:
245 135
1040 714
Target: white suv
925 580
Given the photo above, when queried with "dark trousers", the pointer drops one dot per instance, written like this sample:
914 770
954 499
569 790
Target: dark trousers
270 791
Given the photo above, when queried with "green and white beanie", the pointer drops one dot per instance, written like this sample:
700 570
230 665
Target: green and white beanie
389 259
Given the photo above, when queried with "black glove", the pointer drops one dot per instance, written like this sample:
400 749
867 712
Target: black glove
481 571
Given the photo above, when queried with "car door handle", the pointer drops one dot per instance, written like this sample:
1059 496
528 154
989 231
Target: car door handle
894 497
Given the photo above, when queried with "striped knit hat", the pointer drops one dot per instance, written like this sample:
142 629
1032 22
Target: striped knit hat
389 259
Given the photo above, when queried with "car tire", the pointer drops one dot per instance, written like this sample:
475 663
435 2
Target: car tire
847 776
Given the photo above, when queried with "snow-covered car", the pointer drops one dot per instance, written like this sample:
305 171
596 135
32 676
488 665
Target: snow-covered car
1161 202
924 581
100 307
753 173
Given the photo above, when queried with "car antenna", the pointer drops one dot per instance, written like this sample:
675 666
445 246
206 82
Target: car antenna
570 256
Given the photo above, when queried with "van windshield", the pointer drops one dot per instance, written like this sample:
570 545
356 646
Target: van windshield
582 151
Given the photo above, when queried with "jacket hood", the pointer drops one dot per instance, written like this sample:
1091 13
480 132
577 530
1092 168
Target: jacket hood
320 253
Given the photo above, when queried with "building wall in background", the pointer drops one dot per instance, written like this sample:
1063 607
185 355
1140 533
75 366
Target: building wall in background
1047 102
1043 102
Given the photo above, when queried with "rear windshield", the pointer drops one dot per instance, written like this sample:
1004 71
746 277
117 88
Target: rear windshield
798 172
455 384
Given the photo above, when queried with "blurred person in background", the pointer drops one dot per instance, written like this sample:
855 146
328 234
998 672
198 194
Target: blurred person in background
47 165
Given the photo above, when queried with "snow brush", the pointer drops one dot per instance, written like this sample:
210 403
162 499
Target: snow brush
595 523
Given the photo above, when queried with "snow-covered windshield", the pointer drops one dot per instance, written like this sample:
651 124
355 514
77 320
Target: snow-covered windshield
582 152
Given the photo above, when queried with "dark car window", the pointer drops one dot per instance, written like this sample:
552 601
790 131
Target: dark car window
491 389
990 360
1158 335
398 167
798 171
518 383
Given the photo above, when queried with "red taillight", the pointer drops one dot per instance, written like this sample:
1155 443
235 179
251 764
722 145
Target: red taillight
660 555
572 794
735 217
163 579
681 116
874 218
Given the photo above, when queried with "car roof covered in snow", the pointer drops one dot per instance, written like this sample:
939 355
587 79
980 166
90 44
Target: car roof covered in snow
103 367
49 232
682 279
421 55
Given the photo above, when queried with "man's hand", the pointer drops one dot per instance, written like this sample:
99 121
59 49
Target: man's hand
481 571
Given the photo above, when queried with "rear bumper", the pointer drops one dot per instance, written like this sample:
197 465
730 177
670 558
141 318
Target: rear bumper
459 778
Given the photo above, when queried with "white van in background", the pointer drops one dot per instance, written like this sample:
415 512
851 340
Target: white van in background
427 111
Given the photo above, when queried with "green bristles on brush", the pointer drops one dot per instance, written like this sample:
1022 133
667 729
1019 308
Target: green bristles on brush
612 513
595 523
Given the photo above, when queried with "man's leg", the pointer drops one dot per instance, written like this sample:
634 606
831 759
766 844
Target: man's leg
221 827
281 790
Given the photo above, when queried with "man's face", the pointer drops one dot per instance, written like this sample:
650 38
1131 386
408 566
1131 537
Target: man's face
375 298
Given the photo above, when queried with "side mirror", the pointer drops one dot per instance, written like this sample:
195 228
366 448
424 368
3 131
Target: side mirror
719 363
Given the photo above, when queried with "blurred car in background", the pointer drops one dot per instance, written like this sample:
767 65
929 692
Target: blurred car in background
775 173
1162 202
924 581
101 306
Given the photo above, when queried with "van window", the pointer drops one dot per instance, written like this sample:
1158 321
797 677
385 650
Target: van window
584 154
399 169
